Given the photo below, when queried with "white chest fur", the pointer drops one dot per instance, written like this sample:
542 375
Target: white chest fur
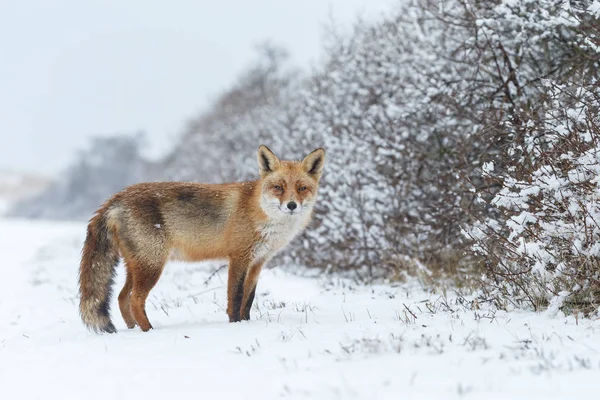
276 234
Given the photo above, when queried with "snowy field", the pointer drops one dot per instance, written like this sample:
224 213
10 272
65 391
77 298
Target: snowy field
309 338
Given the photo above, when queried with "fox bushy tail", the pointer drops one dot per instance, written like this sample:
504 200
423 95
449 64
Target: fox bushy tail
99 259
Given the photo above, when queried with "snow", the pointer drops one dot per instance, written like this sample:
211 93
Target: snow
594 8
310 337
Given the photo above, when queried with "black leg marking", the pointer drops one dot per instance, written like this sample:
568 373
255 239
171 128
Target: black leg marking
237 300
246 311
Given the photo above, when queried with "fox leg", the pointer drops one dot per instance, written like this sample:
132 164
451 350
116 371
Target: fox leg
245 310
125 299
145 278
249 291
235 287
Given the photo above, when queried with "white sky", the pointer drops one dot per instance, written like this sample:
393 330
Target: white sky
71 69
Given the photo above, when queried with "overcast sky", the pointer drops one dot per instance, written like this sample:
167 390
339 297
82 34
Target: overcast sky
71 69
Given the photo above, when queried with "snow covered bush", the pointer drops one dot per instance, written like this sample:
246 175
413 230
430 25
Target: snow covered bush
394 112
544 245
540 237
410 108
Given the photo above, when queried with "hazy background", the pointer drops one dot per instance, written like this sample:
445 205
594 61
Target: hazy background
71 69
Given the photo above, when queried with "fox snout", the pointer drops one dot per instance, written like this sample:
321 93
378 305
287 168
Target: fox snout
279 206
290 207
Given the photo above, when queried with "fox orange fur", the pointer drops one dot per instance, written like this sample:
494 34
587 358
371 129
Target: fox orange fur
146 224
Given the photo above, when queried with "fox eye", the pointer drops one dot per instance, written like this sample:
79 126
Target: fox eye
302 189
277 187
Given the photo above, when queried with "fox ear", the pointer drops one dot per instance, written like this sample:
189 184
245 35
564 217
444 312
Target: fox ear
313 163
267 161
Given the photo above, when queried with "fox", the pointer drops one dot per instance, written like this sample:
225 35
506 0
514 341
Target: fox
147 224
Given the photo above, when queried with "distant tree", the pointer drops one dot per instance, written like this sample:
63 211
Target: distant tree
107 166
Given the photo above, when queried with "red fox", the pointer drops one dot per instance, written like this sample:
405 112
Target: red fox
245 223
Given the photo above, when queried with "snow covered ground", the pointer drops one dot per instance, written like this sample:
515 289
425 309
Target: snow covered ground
309 338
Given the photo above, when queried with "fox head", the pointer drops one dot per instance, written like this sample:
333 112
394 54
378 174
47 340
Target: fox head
289 188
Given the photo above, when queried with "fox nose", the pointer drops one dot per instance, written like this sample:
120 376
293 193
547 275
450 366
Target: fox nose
292 205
